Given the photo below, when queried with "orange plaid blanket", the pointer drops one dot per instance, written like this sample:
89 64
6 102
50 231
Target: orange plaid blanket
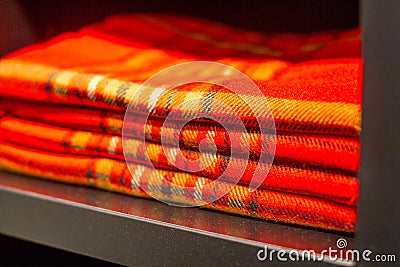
62 104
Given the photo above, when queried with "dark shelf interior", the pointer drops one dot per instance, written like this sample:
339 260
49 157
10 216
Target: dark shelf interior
17 252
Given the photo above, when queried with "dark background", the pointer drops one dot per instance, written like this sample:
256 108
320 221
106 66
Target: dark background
28 21
15 252
53 17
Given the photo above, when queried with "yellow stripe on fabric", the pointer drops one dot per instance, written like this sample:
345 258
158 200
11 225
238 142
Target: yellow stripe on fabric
109 91
79 140
63 78
12 166
131 146
103 169
25 71
154 180
114 124
264 71
336 114
193 96
253 48
316 46
130 93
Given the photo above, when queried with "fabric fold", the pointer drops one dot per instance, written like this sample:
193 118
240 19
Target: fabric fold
113 175
63 101
333 185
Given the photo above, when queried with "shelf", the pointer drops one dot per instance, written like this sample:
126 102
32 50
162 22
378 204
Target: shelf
134 231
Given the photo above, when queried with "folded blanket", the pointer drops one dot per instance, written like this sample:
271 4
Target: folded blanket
333 185
113 175
335 152
306 113
63 105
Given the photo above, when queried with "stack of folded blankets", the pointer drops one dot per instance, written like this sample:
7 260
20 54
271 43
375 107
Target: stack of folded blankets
62 105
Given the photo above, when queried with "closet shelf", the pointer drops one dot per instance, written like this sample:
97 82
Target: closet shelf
135 231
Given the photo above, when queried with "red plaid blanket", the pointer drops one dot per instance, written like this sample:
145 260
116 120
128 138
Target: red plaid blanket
63 103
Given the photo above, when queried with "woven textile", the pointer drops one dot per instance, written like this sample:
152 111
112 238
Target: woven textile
113 175
332 185
62 105
39 83
335 152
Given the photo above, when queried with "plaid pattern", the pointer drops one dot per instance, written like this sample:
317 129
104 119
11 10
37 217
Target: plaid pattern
113 175
67 87
333 152
84 81
194 34
332 185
